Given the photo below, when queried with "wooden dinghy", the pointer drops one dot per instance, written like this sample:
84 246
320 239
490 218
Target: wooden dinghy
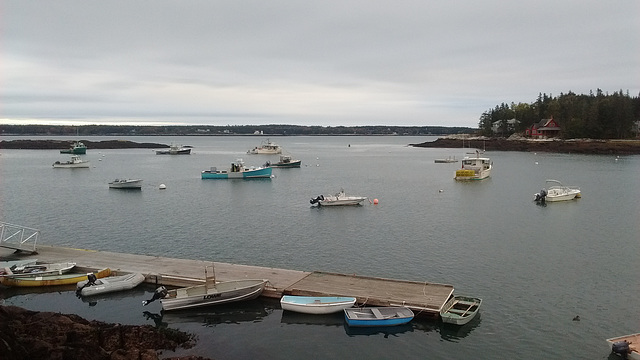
49 280
459 310
30 270
378 316
109 284
316 304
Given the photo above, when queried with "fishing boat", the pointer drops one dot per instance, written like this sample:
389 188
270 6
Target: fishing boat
474 168
266 148
238 171
75 163
126 184
286 161
77 148
109 284
31 270
459 310
50 280
339 199
174 150
378 316
556 191
316 304
626 346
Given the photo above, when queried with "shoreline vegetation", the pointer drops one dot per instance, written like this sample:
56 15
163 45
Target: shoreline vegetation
513 143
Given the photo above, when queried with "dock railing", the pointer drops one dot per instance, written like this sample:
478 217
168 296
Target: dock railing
18 237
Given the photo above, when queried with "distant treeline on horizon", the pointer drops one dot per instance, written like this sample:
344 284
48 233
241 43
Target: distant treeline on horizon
188 130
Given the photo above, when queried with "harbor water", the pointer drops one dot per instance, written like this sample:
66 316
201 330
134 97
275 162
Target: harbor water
537 268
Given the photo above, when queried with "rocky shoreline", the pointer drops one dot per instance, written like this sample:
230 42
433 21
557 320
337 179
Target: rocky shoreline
26 334
66 144
583 146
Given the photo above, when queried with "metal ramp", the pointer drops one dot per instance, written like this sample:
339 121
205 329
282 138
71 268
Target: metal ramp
18 237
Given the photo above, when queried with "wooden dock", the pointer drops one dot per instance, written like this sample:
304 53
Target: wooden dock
422 297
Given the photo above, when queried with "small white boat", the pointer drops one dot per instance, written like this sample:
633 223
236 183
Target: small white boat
626 346
75 163
316 304
474 168
267 148
378 316
32 270
126 184
109 284
9 264
339 199
459 310
174 150
555 191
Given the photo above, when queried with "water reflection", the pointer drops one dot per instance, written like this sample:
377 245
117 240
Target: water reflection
233 313
378 330
453 333
290 317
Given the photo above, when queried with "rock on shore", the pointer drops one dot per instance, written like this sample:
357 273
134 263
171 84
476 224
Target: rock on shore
585 146
26 334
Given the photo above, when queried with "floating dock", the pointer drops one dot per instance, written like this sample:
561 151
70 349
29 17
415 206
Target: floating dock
424 298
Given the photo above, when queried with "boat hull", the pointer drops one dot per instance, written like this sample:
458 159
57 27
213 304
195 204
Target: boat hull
260 173
220 293
174 152
316 304
379 316
130 184
51 280
459 310
111 284
83 165
290 164
342 202
33 270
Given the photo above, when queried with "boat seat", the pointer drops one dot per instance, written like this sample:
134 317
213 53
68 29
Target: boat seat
456 311
377 313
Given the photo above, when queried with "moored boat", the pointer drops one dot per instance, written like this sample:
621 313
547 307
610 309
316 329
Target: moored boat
474 168
266 148
286 161
556 191
126 184
626 346
209 294
75 163
109 284
316 304
50 280
446 160
339 199
38 269
174 150
378 316
77 148
238 171
459 310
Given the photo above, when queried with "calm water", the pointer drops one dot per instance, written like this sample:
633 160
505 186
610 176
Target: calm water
535 267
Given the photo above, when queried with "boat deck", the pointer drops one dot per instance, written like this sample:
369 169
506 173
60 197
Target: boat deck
422 297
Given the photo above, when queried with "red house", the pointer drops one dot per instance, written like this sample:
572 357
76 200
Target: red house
545 128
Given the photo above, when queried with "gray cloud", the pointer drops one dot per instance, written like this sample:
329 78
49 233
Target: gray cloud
326 63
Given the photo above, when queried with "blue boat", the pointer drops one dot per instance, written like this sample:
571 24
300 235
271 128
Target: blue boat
378 316
238 171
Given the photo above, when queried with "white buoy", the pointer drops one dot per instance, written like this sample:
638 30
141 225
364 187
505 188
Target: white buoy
162 186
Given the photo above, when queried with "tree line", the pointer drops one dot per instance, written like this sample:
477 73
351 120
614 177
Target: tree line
597 116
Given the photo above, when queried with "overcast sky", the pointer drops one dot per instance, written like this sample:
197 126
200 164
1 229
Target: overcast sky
329 63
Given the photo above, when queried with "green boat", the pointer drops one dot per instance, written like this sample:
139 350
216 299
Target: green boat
78 148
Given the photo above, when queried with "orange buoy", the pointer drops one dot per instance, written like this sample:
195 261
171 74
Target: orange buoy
375 201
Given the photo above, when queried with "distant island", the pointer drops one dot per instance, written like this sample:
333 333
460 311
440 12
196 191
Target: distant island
574 146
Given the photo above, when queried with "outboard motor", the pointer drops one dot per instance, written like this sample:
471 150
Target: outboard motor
621 348
319 198
541 195
91 280
160 293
